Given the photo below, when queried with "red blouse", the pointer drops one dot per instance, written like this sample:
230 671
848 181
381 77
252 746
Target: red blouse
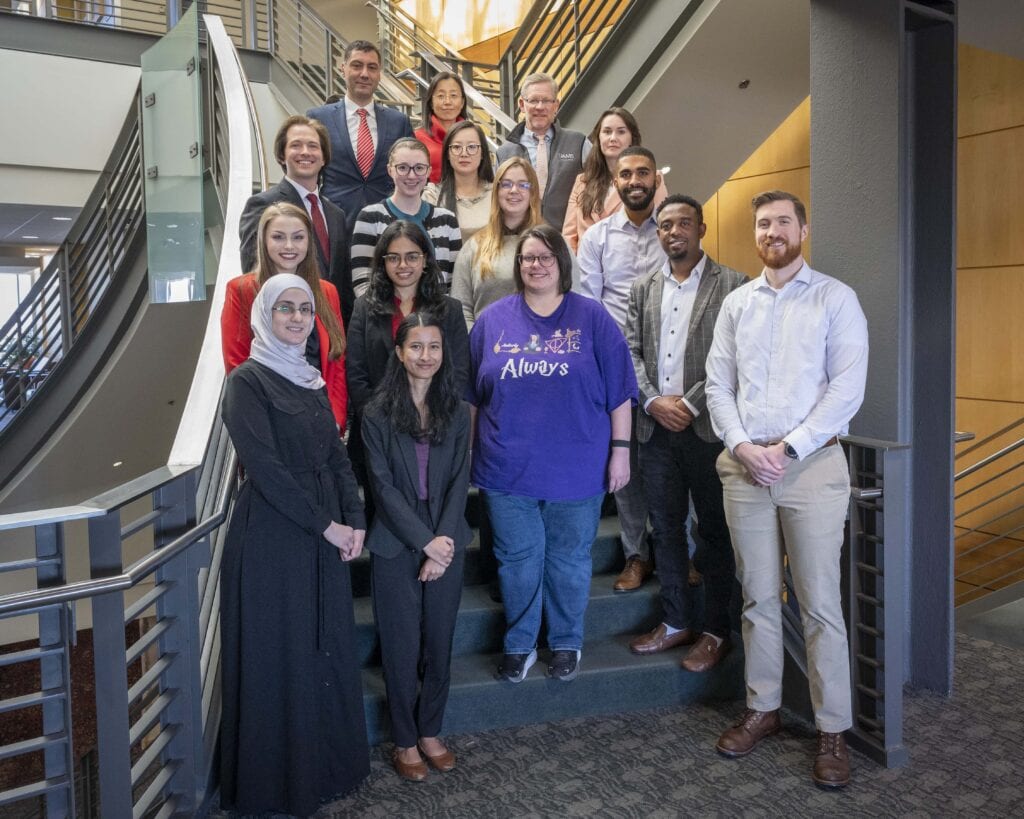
236 339
433 138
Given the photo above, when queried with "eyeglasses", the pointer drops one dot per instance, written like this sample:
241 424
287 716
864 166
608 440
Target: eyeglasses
286 309
419 169
546 260
537 102
469 149
508 184
454 97
396 258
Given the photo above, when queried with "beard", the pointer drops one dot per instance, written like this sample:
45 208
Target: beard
777 258
637 204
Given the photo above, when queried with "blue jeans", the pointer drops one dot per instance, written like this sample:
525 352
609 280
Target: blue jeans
543 551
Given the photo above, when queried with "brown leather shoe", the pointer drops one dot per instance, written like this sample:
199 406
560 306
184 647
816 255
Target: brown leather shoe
440 762
705 654
633 575
660 640
752 727
832 764
413 771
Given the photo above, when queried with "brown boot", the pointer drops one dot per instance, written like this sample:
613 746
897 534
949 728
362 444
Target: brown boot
633 575
832 764
752 727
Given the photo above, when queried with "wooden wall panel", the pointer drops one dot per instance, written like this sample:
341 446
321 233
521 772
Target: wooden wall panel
736 222
710 241
990 355
991 92
990 199
788 146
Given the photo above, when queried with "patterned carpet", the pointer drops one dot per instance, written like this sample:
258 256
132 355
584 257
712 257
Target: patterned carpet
964 762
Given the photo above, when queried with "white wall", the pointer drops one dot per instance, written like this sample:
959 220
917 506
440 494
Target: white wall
61 117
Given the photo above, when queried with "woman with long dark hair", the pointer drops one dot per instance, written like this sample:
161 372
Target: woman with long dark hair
467 177
292 726
593 195
404 278
444 105
416 437
283 245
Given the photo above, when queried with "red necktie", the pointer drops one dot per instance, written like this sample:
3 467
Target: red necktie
320 229
364 145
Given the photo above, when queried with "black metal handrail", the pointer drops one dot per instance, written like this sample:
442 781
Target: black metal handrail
55 312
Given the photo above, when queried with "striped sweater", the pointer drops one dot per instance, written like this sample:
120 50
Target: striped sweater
441 225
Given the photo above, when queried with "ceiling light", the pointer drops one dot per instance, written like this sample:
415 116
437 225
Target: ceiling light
29 237
61 218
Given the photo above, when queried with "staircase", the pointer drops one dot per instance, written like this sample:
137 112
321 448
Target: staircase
611 679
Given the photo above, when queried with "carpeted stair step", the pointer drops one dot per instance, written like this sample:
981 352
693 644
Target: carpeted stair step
611 680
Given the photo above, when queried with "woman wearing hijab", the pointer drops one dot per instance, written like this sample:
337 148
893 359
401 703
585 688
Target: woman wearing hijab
416 434
292 727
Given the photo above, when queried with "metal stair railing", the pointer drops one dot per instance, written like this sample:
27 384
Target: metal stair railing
156 619
55 312
560 38
313 52
991 523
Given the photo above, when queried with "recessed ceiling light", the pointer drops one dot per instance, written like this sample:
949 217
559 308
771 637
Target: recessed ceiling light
118 463
61 218
29 237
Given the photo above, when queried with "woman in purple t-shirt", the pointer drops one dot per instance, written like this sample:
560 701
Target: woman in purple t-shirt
552 382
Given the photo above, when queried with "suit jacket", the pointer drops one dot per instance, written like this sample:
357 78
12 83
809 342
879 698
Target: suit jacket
394 481
236 339
338 273
643 333
343 183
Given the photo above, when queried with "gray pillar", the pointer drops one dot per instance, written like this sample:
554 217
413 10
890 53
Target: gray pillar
883 165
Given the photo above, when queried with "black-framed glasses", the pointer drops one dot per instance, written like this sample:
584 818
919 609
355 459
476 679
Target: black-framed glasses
411 258
419 169
508 184
287 309
545 260
469 149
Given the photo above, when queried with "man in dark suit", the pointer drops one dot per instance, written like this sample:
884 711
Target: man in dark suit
362 132
670 323
302 148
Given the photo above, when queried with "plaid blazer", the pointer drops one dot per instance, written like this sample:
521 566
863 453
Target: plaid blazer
643 332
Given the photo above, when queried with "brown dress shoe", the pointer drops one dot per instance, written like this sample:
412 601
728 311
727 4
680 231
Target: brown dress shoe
693 577
633 575
832 764
413 771
443 762
752 727
660 640
705 654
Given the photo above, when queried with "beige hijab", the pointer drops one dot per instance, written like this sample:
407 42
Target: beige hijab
287 360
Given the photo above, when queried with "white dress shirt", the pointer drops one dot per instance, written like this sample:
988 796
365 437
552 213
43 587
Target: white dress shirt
303 193
612 254
352 120
787 364
677 300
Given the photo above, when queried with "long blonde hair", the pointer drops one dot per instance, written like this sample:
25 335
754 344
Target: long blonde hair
491 236
308 269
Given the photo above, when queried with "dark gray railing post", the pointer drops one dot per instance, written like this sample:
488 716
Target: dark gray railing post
181 603
111 674
64 283
55 670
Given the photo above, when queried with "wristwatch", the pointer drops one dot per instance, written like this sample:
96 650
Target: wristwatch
788 449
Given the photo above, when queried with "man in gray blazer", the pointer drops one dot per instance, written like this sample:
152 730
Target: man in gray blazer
670 323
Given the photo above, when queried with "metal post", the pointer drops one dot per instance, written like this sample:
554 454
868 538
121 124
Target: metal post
271 22
111 675
328 63
64 283
181 604
55 670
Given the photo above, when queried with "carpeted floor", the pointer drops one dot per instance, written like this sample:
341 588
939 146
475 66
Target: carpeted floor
964 761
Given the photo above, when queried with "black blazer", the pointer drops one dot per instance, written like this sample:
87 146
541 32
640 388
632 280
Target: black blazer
394 481
338 231
343 182
370 345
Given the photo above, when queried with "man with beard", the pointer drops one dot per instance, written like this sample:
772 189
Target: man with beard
669 327
785 375
612 255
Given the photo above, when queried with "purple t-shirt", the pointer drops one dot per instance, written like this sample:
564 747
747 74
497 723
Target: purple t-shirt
544 387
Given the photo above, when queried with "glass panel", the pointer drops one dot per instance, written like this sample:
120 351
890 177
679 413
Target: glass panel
172 141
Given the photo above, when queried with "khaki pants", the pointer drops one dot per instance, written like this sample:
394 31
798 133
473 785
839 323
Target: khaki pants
802 516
